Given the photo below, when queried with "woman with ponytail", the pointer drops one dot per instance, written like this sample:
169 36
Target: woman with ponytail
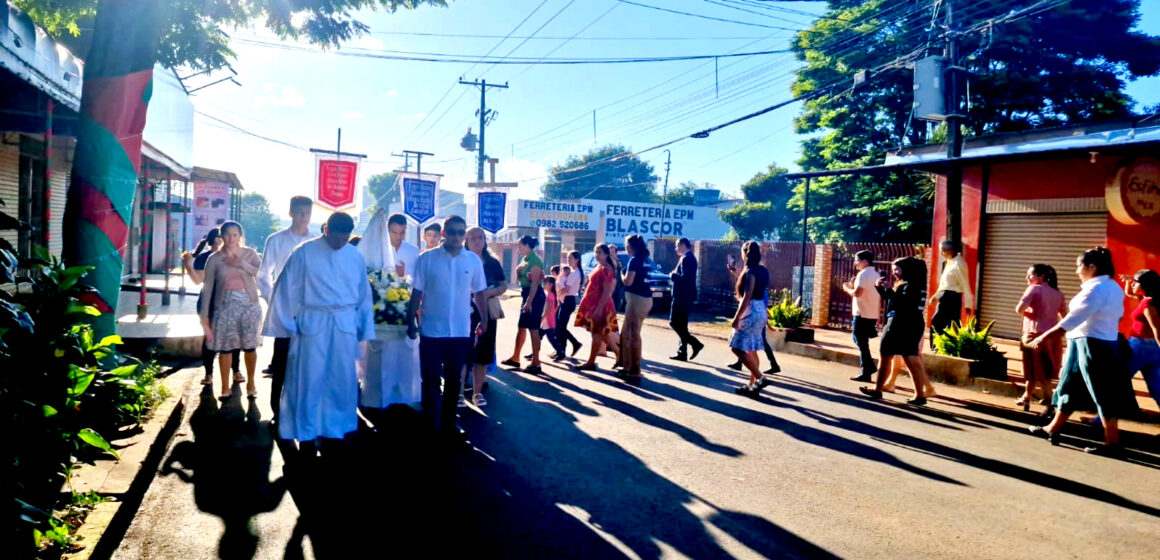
1041 307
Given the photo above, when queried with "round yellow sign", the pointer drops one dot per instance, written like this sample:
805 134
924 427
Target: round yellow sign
1133 193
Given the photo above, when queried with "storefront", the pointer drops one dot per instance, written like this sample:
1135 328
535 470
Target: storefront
1045 197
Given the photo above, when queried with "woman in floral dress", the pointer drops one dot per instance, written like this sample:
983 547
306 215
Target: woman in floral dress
596 312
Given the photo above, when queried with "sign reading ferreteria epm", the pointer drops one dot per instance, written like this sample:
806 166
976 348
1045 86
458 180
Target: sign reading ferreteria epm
621 219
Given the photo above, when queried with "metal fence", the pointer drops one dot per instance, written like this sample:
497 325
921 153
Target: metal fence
843 270
780 258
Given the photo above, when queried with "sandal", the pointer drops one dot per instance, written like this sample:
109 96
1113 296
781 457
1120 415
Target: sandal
226 394
207 380
252 392
478 400
238 378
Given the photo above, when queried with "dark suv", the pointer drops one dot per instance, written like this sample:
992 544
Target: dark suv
658 280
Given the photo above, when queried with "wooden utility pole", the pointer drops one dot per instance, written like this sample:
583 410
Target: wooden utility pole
482 85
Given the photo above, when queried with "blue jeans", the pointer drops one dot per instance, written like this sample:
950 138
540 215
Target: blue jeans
1146 360
863 330
441 359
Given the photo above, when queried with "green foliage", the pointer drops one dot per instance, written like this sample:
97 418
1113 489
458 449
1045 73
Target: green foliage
60 388
380 191
1063 65
608 173
683 195
764 215
194 32
786 311
256 218
965 341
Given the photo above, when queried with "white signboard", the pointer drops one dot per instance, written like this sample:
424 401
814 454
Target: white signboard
582 215
622 219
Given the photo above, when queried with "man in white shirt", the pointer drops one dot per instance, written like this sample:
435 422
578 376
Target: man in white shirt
863 288
954 290
277 251
405 253
445 281
322 304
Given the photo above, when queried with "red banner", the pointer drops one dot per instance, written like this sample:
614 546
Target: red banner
337 184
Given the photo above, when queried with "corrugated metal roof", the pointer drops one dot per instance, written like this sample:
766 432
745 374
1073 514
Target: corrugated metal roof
1092 137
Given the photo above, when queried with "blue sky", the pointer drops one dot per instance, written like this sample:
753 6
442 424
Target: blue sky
385 106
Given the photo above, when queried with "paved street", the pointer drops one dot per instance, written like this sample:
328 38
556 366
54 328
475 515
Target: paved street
582 465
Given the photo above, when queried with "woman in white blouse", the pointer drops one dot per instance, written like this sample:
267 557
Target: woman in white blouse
1094 374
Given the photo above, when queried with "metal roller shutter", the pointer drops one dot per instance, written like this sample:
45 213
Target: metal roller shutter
1017 241
10 186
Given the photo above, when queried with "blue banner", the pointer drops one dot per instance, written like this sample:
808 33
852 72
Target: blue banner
419 199
492 207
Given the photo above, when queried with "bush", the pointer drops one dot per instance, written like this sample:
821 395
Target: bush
786 312
59 390
966 341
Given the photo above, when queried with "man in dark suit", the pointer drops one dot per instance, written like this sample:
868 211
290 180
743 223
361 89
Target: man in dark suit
684 294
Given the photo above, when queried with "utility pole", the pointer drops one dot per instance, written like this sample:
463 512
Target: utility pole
482 85
665 192
406 160
418 161
954 133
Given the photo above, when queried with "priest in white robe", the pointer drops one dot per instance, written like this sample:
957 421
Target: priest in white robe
322 301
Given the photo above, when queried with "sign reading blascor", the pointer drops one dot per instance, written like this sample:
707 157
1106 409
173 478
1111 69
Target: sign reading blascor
336 184
621 219
1133 193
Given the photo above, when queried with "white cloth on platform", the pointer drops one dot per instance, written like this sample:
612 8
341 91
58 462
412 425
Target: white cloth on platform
322 302
376 248
278 248
388 370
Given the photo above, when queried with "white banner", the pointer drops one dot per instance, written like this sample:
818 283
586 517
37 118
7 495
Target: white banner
622 219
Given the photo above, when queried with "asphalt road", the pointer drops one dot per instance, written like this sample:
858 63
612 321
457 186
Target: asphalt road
581 465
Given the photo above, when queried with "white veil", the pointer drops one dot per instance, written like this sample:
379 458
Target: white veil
376 244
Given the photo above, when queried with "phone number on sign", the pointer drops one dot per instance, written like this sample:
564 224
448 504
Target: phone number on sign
560 224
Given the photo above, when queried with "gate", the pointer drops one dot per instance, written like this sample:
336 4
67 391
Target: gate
842 271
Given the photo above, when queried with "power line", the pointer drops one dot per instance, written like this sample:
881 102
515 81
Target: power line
751 24
561 38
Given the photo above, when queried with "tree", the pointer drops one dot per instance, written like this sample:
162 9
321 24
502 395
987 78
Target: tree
608 173
1062 64
380 191
256 218
763 214
128 37
683 195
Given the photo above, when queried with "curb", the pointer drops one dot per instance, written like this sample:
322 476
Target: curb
127 479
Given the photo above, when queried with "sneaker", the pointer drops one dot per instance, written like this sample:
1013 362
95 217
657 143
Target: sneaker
864 378
735 366
773 370
696 350
478 401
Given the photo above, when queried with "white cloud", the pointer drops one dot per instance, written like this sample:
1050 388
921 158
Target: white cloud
285 96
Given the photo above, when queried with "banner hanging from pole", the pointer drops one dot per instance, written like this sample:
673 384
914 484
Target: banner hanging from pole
492 208
420 196
336 181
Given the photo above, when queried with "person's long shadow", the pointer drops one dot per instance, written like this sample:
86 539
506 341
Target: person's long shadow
623 507
228 462
896 439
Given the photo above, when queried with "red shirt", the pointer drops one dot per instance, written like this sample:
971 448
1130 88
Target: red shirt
1140 326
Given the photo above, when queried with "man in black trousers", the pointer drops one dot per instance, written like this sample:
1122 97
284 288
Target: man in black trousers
684 294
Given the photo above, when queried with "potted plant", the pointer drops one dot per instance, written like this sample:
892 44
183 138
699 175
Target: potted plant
786 317
968 342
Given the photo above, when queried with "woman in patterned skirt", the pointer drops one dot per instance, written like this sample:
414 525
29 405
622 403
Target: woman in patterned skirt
230 275
597 312
749 320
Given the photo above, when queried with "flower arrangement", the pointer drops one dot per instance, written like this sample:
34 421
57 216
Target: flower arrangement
390 295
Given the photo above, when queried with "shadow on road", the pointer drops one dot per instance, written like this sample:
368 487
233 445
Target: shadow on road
228 462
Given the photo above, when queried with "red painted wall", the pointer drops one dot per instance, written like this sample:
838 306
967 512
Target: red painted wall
1133 247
